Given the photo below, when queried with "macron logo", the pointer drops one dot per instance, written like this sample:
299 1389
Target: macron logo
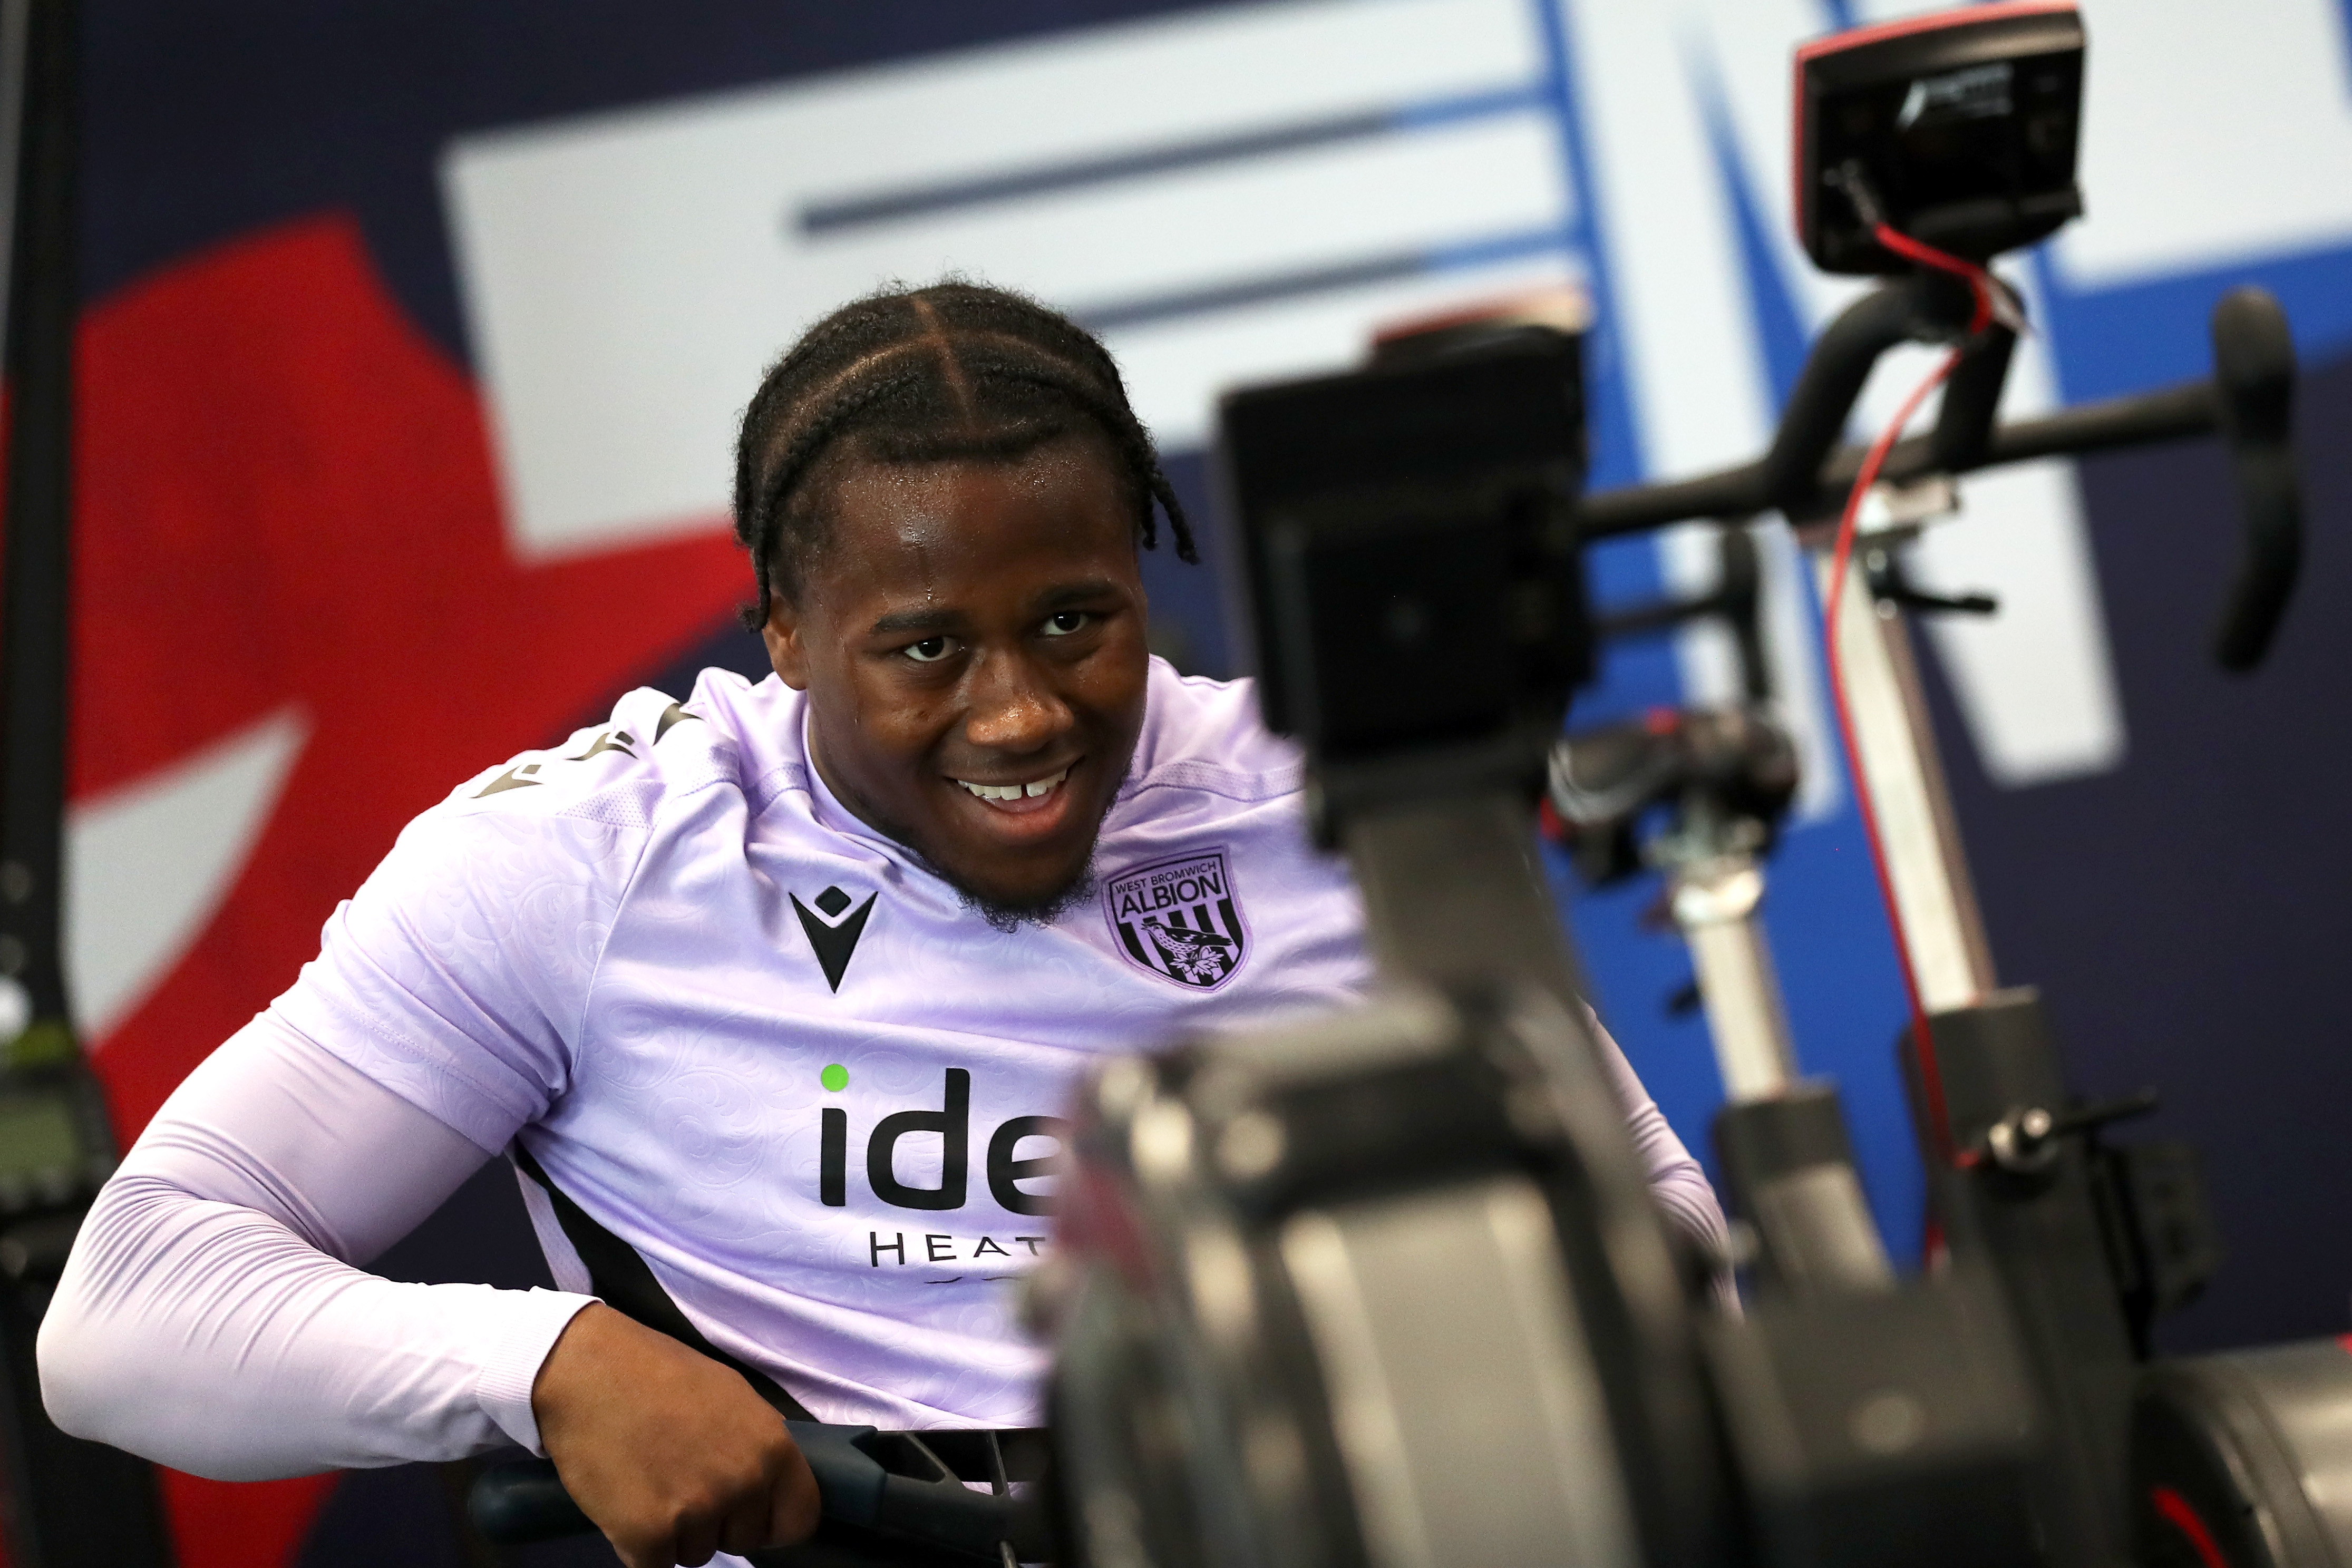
831 935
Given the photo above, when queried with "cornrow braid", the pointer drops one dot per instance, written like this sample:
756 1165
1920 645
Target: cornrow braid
954 370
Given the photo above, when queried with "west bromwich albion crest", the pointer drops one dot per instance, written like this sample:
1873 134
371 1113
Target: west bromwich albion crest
1179 919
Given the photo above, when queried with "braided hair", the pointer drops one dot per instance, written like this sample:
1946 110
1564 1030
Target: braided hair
956 371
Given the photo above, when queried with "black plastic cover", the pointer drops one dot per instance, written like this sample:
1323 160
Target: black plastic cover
1964 124
1886 1427
1409 548
2044 1244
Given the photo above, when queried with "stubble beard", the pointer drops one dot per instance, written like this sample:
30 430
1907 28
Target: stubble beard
1007 918
1005 915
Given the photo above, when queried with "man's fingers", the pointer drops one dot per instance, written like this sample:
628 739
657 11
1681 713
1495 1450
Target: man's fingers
782 1512
687 1460
747 1521
794 1503
643 1555
698 1541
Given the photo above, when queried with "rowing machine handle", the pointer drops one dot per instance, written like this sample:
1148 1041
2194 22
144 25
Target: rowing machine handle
2253 400
525 1500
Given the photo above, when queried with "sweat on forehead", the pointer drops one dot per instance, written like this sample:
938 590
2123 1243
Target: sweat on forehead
955 372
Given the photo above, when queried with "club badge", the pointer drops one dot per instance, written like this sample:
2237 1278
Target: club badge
1180 919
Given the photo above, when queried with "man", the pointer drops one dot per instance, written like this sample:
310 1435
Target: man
771 995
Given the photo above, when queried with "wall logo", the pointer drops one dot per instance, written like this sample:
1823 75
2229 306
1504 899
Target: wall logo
1180 919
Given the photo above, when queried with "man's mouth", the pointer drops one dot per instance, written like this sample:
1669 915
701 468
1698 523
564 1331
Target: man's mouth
1022 796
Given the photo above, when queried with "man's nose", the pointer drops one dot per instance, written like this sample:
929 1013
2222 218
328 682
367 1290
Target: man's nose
1013 706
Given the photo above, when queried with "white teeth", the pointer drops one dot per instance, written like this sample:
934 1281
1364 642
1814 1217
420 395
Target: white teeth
1035 788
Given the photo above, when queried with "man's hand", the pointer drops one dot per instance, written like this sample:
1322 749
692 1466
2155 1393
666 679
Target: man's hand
670 1453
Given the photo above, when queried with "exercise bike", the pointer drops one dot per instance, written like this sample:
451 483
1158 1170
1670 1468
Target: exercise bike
2202 1462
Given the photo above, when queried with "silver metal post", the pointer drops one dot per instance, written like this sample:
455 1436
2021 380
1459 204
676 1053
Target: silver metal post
1932 889
1811 1216
1714 903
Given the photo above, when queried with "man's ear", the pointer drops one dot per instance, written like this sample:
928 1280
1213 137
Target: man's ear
782 636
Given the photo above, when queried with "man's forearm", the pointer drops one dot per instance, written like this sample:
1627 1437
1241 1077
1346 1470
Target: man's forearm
208 1321
212 1339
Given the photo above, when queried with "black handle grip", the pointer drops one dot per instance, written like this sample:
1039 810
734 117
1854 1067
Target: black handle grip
2253 397
524 1501
886 1481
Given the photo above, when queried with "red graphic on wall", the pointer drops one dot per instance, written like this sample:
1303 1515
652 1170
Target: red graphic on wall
286 496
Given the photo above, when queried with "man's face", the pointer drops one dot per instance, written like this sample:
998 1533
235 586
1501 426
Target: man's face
970 637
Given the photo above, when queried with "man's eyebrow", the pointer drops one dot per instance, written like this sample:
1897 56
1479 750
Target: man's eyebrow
915 621
1080 590
1076 592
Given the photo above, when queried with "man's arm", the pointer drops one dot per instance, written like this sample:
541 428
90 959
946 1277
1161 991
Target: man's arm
212 1318
1677 1180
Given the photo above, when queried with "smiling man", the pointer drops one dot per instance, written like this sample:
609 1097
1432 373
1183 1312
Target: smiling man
986 728
771 996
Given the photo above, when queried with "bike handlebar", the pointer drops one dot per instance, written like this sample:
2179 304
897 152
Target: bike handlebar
890 1482
2254 385
2248 402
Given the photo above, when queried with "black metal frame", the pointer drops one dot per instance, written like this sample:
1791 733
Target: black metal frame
72 1504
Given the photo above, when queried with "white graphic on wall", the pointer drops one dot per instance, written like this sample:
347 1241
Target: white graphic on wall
2212 134
147 864
1292 177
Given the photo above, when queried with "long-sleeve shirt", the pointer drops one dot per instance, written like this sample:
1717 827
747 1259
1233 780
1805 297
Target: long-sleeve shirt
749 1036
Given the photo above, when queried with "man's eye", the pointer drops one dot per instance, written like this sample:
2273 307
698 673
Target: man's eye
1061 623
929 651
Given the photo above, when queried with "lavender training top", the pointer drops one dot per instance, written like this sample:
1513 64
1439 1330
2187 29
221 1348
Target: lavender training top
750 1036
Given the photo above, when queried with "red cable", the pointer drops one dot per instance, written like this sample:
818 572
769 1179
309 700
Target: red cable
1931 1078
2177 1512
1979 283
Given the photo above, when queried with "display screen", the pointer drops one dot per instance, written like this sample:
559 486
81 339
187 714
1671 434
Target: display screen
2002 131
36 1136
1958 130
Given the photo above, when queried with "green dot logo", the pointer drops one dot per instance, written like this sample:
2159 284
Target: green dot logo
835 1078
